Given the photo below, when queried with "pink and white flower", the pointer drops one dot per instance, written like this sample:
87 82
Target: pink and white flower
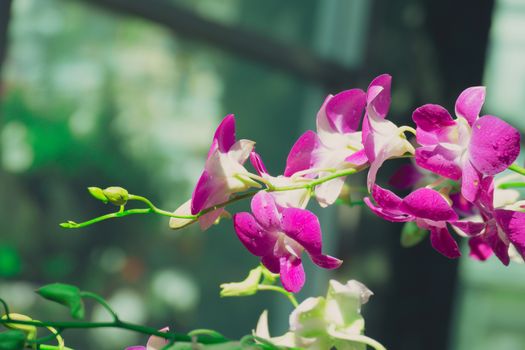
287 199
336 146
381 138
224 173
468 147
279 236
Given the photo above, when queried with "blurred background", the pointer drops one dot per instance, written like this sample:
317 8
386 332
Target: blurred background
128 93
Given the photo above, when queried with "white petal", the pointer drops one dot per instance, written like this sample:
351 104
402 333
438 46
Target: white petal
183 210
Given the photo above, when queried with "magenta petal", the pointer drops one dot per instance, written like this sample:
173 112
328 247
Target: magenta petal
462 206
500 248
265 210
257 163
494 145
303 226
443 242
393 216
271 262
513 224
479 249
428 204
438 160
258 241
300 156
469 227
432 117
201 193
345 110
378 94
292 273
486 192
406 176
225 133
386 199
138 347
326 261
357 158
365 130
469 103
470 182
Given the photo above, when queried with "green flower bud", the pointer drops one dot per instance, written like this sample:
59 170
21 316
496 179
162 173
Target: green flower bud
247 287
98 193
116 195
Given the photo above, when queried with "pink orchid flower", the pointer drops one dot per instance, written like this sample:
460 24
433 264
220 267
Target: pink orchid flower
224 173
468 147
500 227
381 138
279 236
154 343
287 199
426 207
336 146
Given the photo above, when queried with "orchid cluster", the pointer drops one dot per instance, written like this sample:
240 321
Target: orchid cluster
456 161
454 191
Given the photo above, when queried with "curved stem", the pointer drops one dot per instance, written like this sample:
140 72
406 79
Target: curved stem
102 302
152 209
281 290
6 308
47 337
121 325
119 214
158 210
517 169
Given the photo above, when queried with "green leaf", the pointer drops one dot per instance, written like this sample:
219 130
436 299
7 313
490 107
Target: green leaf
412 235
12 340
66 295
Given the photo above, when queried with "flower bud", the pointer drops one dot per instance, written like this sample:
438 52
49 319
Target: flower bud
98 193
116 195
244 288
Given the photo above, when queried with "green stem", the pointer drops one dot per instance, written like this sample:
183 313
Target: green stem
102 302
517 169
121 325
316 182
152 209
48 337
6 308
507 185
158 210
281 290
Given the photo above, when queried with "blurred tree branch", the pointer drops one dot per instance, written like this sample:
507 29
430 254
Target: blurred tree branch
299 61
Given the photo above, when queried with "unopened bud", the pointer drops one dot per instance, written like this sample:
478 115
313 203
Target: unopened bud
243 288
98 193
116 195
